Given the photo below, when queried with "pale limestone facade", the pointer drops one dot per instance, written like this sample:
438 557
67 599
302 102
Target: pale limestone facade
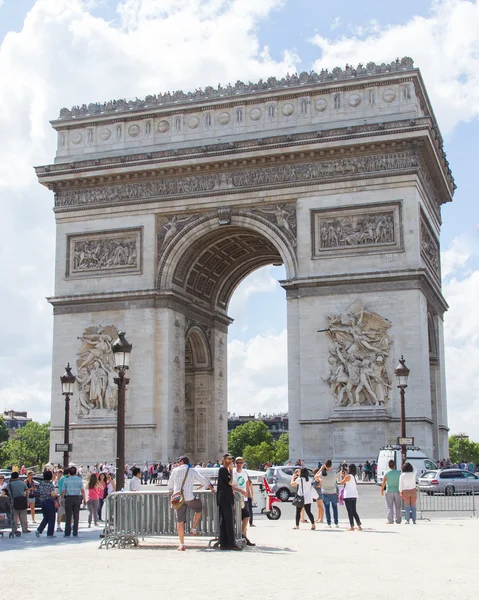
163 206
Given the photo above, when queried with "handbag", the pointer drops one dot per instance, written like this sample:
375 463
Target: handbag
177 499
341 497
298 499
19 502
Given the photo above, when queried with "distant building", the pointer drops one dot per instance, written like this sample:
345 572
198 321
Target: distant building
277 424
15 419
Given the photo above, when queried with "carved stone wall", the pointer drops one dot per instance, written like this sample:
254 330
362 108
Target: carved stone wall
369 229
238 180
430 249
104 253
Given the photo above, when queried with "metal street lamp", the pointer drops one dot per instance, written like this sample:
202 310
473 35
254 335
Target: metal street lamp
121 351
402 374
68 382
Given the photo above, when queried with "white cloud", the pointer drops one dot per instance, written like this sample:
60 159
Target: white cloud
257 380
65 56
444 46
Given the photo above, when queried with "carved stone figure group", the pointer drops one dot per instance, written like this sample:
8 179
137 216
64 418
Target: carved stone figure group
106 253
357 230
358 373
96 374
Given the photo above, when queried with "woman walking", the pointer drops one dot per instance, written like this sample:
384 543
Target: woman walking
47 494
103 491
93 491
302 481
32 486
351 497
316 483
407 491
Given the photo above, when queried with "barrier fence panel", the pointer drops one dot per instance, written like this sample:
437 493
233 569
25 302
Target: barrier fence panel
133 515
462 499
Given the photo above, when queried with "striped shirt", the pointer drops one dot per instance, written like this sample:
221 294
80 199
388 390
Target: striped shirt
176 480
72 486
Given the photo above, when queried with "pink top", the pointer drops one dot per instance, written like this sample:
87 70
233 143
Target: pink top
95 494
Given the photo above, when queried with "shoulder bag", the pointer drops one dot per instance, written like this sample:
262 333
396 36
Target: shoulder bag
177 499
298 499
19 502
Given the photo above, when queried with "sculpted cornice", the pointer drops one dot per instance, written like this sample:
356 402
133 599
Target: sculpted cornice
282 174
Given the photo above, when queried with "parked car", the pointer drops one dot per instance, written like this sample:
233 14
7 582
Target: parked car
279 480
448 482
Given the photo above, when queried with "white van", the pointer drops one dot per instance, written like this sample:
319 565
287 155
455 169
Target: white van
414 455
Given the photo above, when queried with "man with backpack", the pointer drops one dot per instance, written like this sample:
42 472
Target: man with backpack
18 494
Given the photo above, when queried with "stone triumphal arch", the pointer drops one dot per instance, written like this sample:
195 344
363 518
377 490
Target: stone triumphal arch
164 205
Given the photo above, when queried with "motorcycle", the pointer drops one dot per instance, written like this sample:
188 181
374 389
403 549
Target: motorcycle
272 512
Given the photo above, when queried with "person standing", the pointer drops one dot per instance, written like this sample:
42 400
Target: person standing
390 484
225 501
32 486
102 493
94 490
351 496
183 479
61 503
316 483
47 494
3 485
135 481
407 491
18 493
329 487
243 486
302 481
73 492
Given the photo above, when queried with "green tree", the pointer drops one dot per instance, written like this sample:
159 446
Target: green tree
3 431
252 433
29 446
281 449
462 448
256 456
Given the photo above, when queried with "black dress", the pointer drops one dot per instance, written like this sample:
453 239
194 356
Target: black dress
225 501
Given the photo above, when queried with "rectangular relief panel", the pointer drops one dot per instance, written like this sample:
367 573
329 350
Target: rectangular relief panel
430 249
368 229
108 252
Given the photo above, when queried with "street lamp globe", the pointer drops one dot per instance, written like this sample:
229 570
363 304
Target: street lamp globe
121 351
402 373
68 381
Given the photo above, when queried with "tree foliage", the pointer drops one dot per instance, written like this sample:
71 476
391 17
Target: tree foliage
3 431
462 448
252 433
256 456
29 446
281 449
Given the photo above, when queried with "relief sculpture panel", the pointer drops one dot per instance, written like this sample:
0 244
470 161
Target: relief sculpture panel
430 247
105 252
372 228
359 358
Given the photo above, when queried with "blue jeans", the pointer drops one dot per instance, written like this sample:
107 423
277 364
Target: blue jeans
48 510
328 501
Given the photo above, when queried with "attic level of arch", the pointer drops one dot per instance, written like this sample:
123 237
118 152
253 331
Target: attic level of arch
148 162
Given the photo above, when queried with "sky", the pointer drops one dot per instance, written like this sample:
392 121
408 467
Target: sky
56 53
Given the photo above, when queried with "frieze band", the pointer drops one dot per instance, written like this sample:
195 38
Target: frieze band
292 174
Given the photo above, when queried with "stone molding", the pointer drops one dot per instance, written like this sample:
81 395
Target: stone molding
210 93
351 230
359 416
279 176
107 252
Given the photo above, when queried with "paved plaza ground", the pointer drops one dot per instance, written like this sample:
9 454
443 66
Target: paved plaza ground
433 559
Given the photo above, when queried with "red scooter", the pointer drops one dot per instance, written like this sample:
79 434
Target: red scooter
272 512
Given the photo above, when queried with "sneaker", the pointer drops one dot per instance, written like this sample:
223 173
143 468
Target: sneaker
59 529
181 548
337 526
329 526
195 532
37 533
248 543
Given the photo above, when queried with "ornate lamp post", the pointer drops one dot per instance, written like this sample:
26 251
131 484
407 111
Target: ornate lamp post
402 374
68 382
121 351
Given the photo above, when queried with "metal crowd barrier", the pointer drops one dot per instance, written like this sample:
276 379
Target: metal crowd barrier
133 515
461 499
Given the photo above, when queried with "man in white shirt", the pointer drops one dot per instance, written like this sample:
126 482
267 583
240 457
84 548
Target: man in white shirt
135 481
242 484
183 478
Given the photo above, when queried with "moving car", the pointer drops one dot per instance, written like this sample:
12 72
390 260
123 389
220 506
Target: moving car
448 482
414 455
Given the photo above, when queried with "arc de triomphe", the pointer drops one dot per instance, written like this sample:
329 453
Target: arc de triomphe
164 205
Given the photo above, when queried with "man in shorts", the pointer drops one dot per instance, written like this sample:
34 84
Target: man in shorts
183 477
242 484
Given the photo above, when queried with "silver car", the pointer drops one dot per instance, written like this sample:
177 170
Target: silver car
448 482
279 480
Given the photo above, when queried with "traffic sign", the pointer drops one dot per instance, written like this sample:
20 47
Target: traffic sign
406 441
63 447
